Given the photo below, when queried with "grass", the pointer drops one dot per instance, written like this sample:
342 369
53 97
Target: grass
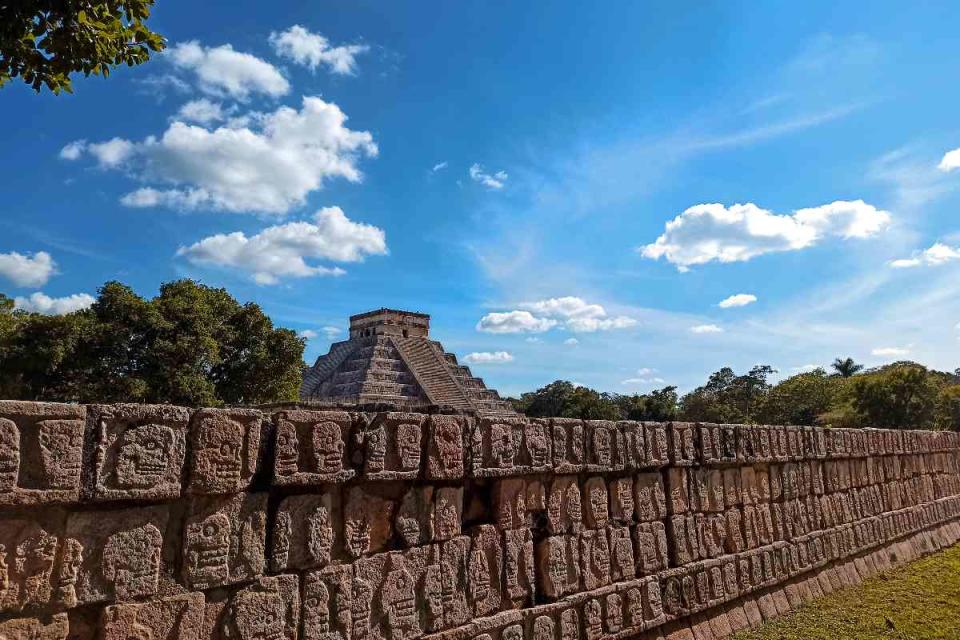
920 601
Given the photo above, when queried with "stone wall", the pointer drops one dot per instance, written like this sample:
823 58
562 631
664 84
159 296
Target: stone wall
133 522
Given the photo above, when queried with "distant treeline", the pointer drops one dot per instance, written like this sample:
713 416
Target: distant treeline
902 395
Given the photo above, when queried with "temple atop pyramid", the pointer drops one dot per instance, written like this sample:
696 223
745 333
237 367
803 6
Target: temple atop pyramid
390 360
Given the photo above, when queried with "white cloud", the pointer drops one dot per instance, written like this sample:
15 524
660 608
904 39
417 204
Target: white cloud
950 161
42 303
514 322
890 351
222 71
737 300
706 328
634 382
26 270
533 340
806 368
936 254
488 357
645 371
269 167
494 181
312 49
577 314
282 251
74 150
440 166
572 342
309 334
714 232
202 111
331 332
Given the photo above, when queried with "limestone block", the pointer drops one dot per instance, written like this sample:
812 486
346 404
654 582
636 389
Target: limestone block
414 520
367 521
225 450
622 561
327 603
650 547
649 497
118 555
268 609
174 618
622 509
519 577
543 627
558 565
445 447
484 570
391 589
569 624
311 447
30 577
606 446
392 446
140 451
657 444
682 530
683 450
592 619
568 442
55 627
510 446
41 452
634 444
306 531
447 512
595 503
454 571
564 506
224 540
678 490
595 558
510 503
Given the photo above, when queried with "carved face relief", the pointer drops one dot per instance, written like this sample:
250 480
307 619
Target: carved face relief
558 565
34 563
61 449
501 446
535 439
601 446
208 550
450 447
259 615
408 519
433 596
316 609
592 618
69 571
357 533
288 449
399 600
576 443
328 447
574 508
219 449
479 578
131 560
144 455
9 454
543 628
320 534
408 446
513 632
376 449
559 443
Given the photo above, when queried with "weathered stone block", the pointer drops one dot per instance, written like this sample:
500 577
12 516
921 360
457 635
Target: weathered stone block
225 450
595 503
683 450
55 627
174 618
29 575
267 609
509 446
327 603
367 521
392 446
446 446
41 452
650 547
305 532
558 565
649 497
224 540
140 451
310 447
568 441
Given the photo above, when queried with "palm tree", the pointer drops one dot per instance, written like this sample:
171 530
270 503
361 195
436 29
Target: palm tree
846 367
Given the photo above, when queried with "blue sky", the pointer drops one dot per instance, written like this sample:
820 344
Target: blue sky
570 193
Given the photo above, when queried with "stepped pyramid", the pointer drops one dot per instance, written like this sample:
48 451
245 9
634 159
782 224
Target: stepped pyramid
391 360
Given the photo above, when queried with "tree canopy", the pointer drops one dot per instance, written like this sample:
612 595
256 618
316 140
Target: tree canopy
43 41
192 345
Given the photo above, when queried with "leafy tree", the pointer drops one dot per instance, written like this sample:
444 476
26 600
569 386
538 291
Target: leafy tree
727 397
44 41
846 367
562 399
192 345
902 395
947 412
801 399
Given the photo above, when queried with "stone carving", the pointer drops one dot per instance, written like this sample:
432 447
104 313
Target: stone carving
367 522
41 447
510 446
447 512
544 628
649 497
592 620
622 564
536 446
399 600
327 604
393 445
596 503
569 625
56 628
601 445
121 553
269 609
28 550
678 490
311 447
224 540
484 571
622 500
140 451
564 507
613 613
225 448
304 532
683 450
518 569
454 559
414 521
174 618
68 571
595 556
445 458
510 503
568 445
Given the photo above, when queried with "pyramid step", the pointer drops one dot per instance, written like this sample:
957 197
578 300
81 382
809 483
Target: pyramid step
432 372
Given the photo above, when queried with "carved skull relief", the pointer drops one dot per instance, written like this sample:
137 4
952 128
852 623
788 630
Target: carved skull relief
35 555
316 608
376 449
543 628
70 562
131 561
288 449
408 446
320 534
144 455
328 447
61 450
535 439
219 450
602 455
9 454
501 446
399 601
208 551
259 615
